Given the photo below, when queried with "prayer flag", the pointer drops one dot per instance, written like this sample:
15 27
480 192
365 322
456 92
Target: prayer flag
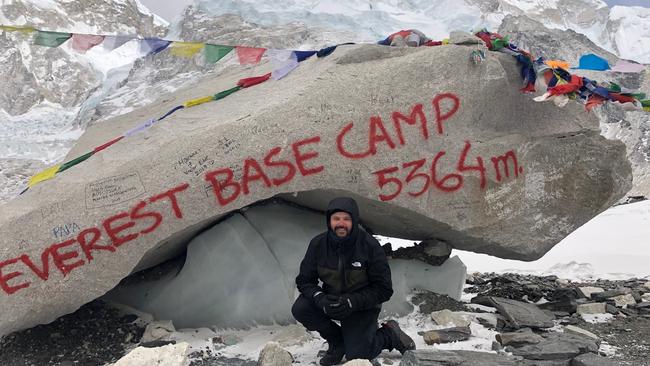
197 101
50 39
153 45
303 55
113 42
556 63
627 66
43 175
249 55
75 161
186 49
248 82
21 29
214 53
592 62
140 127
102 147
283 62
83 42
225 93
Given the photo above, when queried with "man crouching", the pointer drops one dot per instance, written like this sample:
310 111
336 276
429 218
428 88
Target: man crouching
356 281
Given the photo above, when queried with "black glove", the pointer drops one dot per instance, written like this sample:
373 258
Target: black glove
323 301
342 309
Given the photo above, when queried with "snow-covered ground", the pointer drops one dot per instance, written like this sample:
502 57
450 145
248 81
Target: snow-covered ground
613 245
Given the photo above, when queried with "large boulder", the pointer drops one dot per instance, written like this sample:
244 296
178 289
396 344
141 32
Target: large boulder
431 145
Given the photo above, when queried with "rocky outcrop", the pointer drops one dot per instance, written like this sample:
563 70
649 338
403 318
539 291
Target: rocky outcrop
474 163
617 123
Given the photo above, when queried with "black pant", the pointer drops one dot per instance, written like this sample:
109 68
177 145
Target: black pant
359 332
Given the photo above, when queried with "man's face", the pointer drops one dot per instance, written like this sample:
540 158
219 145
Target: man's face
341 223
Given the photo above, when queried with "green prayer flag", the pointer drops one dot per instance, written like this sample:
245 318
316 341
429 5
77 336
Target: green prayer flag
75 161
214 53
498 44
638 96
226 93
645 103
51 39
614 87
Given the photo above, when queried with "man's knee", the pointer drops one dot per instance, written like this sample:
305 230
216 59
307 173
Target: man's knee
301 309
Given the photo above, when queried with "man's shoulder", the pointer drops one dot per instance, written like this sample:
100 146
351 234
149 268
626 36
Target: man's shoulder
370 240
318 239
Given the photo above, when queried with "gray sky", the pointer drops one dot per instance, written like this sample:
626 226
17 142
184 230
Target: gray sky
170 9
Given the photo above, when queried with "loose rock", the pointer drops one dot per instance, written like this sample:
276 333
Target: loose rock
274 355
170 355
520 314
446 317
572 329
623 300
464 358
447 335
519 338
587 291
591 359
591 308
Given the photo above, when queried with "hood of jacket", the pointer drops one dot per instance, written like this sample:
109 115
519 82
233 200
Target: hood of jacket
345 204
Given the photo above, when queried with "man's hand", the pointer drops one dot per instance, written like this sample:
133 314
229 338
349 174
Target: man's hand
324 301
342 309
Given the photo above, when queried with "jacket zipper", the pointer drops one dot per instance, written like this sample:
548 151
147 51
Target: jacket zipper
342 273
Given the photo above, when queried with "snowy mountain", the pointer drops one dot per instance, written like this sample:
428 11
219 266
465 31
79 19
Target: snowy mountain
44 89
621 30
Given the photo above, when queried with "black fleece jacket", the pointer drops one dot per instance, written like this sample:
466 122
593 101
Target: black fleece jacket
355 266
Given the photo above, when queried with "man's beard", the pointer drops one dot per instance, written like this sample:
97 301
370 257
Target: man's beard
336 231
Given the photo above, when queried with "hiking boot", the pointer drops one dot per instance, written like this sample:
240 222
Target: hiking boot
334 354
401 341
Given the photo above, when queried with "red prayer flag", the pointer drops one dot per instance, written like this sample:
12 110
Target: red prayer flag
245 83
83 42
102 147
249 55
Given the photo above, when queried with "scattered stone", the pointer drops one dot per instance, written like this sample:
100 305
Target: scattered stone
647 285
230 339
464 358
430 302
645 297
591 359
496 346
157 343
547 362
623 300
561 314
629 311
611 309
565 305
482 300
169 355
520 314
446 317
587 291
547 350
358 362
642 305
292 335
159 330
572 329
591 308
602 296
274 355
520 338
447 335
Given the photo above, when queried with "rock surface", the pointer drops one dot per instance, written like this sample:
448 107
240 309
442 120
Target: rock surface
447 335
274 355
169 355
138 203
520 314
449 358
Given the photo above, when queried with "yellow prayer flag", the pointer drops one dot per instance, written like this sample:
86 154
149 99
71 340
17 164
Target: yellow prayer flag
197 101
43 175
556 63
445 41
186 49
21 29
